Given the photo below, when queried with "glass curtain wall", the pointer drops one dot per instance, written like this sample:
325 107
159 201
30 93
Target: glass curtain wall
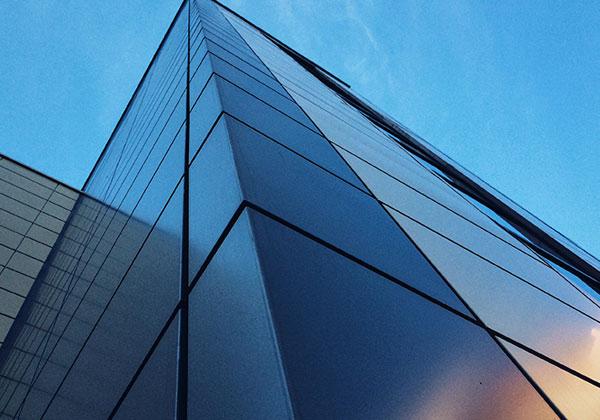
251 244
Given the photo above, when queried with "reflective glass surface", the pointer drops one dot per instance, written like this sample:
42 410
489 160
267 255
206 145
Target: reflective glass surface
482 242
152 395
214 194
355 345
235 370
305 195
512 307
576 398
332 264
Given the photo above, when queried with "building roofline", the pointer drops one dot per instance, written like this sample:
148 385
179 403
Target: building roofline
133 96
284 45
29 168
476 188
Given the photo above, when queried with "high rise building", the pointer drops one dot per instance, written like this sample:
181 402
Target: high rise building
258 241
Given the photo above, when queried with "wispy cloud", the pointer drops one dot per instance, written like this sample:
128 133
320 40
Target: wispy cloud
353 15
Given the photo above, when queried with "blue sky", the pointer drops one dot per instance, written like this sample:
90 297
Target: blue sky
511 90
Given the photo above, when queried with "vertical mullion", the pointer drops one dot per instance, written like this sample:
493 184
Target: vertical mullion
182 362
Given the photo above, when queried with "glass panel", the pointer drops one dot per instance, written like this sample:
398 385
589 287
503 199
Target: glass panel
153 393
199 51
243 85
234 46
149 144
235 371
313 147
355 345
575 398
229 61
575 279
425 190
203 114
307 196
260 114
157 178
511 306
490 244
214 194
234 56
200 75
221 34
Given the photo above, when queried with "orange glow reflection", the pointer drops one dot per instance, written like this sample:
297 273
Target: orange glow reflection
575 398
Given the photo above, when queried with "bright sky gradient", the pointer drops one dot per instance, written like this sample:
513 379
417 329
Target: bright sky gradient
511 90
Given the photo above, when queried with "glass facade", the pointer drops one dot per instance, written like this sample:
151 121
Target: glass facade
256 241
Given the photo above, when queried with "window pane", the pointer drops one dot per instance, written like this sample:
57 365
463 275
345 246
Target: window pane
492 243
214 194
153 393
309 197
234 363
355 345
575 398
304 142
511 306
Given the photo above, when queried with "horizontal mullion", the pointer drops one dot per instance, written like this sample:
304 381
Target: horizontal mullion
487 260
248 205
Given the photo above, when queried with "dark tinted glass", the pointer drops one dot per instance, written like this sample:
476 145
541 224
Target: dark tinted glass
201 70
252 87
203 114
307 196
261 114
511 306
152 395
228 62
355 345
308 145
